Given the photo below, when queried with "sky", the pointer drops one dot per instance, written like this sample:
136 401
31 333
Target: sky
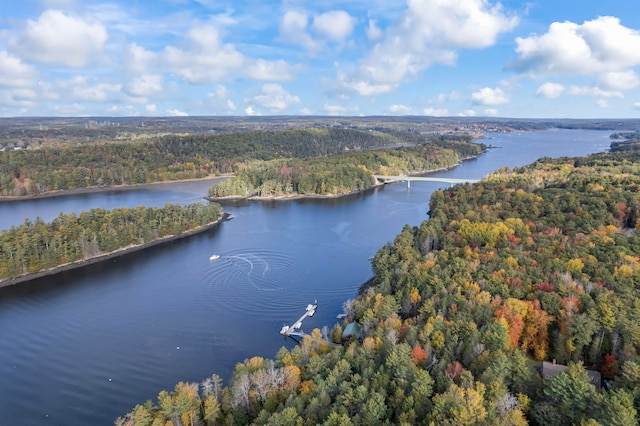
536 59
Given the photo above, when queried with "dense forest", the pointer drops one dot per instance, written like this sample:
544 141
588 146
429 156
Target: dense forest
36 246
536 263
343 173
177 157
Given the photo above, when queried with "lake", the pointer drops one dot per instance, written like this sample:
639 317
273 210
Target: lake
85 346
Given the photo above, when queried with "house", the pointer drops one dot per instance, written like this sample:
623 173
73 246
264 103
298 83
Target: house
351 330
550 369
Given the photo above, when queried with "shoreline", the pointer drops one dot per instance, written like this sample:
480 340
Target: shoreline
298 196
111 255
97 189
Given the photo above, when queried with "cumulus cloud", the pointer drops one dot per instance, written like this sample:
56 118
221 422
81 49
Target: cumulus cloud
261 69
436 112
491 112
624 80
144 86
219 100
81 88
429 32
593 91
489 96
136 59
334 109
176 113
14 73
335 25
293 29
401 109
205 59
60 39
373 31
596 46
274 98
550 90
250 111
636 105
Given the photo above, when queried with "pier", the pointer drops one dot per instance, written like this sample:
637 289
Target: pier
295 328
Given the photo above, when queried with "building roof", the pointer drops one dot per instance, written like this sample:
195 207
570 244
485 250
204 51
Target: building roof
351 329
550 369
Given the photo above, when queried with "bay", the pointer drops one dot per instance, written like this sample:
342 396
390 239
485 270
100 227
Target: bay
85 346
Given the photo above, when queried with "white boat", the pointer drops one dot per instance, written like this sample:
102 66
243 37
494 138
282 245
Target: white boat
214 257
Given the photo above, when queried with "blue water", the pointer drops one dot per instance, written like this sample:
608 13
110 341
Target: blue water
85 346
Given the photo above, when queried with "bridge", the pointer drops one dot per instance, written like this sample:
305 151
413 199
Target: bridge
408 179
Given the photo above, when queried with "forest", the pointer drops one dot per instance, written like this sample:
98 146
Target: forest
342 173
37 246
49 168
534 263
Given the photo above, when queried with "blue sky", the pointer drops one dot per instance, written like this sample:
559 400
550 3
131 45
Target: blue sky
538 59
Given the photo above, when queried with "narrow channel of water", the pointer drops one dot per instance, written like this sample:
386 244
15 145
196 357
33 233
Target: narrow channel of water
85 346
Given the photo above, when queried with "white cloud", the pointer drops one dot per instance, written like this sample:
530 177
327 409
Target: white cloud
129 110
145 86
636 105
550 90
624 80
593 91
14 73
436 112
373 31
428 32
401 109
467 113
596 46
205 59
261 69
489 96
176 113
274 97
333 109
136 59
151 108
603 103
293 29
82 88
335 25
250 111
445 97
220 100
60 39
491 112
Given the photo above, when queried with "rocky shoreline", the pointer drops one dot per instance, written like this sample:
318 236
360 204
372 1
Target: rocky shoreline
111 255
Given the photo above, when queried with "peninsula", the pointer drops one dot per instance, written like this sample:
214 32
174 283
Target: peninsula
72 241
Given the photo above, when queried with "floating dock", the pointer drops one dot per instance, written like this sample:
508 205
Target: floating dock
294 329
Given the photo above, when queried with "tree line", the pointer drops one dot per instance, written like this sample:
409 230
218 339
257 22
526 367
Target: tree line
175 157
36 246
534 263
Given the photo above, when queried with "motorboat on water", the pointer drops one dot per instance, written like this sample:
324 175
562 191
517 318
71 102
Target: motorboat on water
214 257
